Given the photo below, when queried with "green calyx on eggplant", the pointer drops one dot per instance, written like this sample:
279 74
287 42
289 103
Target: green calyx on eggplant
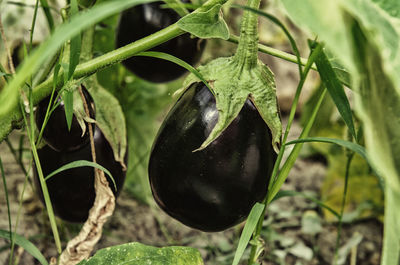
145 19
214 188
233 80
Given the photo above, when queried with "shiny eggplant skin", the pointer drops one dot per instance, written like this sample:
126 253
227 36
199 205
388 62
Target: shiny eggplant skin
143 20
72 191
56 133
215 188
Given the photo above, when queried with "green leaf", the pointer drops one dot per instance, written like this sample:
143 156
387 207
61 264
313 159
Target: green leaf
144 105
75 45
25 244
9 95
176 60
318 17
248 230
366 39
391 239
392 7
379 108
208 24
109 118
81 163
68 99
349 145
335 89
49 17
139 254
341 72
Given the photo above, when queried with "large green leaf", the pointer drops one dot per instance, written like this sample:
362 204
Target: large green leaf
139 254
325 19
365 37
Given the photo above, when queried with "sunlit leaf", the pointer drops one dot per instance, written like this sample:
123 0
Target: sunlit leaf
139 254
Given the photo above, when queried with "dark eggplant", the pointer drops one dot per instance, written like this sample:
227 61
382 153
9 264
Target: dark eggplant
215 188
143 20
72 191
56 133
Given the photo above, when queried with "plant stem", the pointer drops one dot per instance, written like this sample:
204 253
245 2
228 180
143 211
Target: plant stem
43 185
246 53
346 182
286 167
274 52
110 58
49 17
8 209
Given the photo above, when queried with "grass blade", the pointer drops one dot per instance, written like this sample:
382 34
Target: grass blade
335 89
248 230
81 163
68 99
347 144
8 207
171 58
25 244
49 17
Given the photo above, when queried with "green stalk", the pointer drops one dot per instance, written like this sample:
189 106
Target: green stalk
49 17
346 182
33 25
246 53
19 209
275 52
8 210
110 58
275 175
43 185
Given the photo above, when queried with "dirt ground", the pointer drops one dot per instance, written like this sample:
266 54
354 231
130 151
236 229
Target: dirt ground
294 233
